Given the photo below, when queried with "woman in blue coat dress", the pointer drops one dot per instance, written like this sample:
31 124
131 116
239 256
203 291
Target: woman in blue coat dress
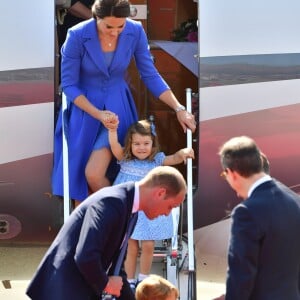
95 58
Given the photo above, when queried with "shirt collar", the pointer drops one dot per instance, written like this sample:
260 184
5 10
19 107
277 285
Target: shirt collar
136 199
258 182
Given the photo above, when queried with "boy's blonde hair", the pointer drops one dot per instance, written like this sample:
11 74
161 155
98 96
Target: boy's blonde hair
142 127
155 287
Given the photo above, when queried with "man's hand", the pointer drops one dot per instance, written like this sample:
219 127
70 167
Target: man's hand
114 285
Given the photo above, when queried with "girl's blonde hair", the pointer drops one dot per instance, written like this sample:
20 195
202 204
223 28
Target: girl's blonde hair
155 287
145 128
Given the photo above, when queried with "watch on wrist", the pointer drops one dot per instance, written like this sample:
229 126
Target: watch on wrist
179 108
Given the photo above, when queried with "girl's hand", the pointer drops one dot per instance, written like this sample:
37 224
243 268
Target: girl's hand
109 119
113 125
186 153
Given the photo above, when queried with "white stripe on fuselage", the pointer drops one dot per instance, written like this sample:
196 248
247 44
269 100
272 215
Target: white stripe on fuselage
27 34
222 101
26 131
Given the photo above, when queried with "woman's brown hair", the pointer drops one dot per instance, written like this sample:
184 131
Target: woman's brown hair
111 8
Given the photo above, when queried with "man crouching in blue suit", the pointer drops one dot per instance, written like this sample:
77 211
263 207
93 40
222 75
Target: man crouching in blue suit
264 249
80 262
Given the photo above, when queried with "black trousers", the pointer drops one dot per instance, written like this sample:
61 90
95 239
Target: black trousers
126 292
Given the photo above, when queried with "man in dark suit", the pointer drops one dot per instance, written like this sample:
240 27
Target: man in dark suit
80 262
264 250
79 10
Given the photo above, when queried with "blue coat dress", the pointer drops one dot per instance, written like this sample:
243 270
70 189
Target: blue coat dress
84 71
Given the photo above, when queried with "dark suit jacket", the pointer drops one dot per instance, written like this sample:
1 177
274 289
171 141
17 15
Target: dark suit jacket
76 264
264 252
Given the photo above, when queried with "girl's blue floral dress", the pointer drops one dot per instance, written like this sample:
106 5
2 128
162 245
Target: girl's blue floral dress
161 227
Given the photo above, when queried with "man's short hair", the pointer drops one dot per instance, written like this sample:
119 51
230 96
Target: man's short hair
241 154
168 177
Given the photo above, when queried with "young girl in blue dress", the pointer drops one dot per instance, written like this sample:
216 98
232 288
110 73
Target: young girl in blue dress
140 155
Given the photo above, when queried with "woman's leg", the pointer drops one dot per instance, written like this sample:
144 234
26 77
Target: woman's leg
131 258
96 168
146 258
76 203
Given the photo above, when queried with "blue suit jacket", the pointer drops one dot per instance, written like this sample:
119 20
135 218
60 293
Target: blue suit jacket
264 252
75 266
84 72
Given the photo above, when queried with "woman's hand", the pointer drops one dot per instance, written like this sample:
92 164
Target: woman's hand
109 119
186 120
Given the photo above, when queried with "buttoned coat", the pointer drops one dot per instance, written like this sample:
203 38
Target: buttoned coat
87 246
264 251
85 72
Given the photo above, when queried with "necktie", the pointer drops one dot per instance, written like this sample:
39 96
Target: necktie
117 269
128 233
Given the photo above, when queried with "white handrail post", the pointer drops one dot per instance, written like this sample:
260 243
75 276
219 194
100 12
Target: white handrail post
65 162
190 221
192 289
